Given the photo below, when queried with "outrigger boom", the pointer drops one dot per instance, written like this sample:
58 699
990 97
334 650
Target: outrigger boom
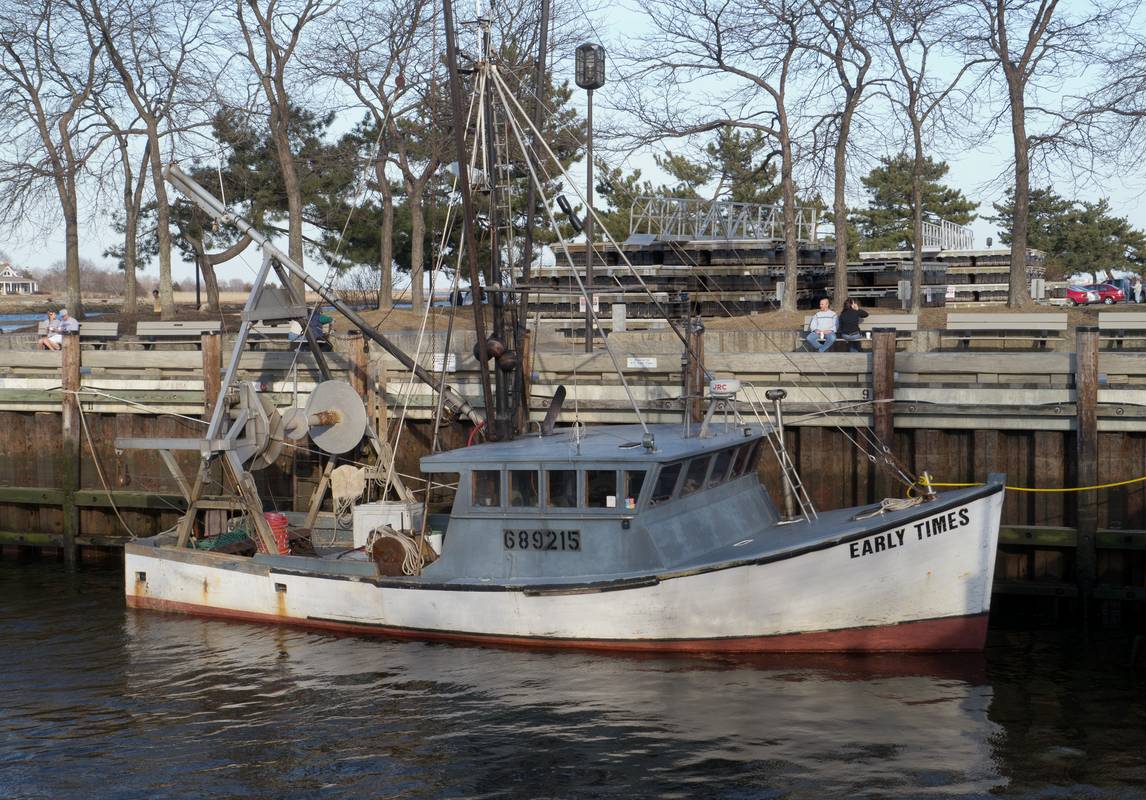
211 205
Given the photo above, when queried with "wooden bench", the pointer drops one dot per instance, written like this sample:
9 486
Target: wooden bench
575 326
1118 326
1038 328
176 331
904 325
97 333
263 332
289 332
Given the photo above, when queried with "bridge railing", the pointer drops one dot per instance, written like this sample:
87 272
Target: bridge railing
686 219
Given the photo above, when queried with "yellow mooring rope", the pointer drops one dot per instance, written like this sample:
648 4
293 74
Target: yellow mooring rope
925 483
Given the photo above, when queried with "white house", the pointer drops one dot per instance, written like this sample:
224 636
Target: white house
12 282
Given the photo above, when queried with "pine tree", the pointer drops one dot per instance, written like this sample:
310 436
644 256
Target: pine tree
735 165
1076 236
886 222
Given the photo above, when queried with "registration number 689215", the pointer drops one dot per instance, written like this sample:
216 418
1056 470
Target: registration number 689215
540 539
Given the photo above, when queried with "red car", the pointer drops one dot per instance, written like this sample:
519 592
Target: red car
1080 296
1095 293
1107 293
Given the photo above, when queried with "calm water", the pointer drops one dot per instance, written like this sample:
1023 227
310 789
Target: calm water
96 701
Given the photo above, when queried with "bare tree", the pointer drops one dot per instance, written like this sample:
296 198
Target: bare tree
845 40
1033 45
131 185
1110 120
744 57
391 78
157 49
916 32
48 73
272 32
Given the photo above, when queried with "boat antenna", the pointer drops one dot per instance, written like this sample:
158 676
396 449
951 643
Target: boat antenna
469 240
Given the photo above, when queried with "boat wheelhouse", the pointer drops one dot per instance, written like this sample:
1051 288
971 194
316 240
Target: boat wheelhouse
587 503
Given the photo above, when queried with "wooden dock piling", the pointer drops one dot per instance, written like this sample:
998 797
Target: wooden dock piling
1086 387
354 347
210 343
69 469
883 392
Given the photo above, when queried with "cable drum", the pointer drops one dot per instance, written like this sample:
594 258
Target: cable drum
336 417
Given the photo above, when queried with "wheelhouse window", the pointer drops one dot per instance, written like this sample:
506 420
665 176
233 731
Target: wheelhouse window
634 481
601 488
523 488
746 459
720 467
486 489
666 482
561 488
694 475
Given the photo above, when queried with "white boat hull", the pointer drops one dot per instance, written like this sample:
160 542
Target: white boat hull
913 588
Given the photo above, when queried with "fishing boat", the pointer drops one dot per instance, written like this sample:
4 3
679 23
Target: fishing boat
634 537
590 539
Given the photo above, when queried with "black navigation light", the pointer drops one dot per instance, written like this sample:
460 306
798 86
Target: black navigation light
590 66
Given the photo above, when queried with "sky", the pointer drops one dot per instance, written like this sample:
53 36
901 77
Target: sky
976 170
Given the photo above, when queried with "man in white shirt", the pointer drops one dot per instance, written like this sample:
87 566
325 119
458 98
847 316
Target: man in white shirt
66 324
822 327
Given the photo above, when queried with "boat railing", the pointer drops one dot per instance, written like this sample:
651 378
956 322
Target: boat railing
791 476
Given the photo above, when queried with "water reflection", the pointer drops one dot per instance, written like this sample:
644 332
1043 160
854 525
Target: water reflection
447 720
149 705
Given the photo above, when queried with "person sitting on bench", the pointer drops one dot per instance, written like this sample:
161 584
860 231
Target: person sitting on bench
52 339
822 327
64 324
850 324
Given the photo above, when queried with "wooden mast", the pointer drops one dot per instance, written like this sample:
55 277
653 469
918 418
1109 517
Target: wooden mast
469 240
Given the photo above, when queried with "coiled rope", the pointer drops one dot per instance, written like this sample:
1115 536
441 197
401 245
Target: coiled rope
412 558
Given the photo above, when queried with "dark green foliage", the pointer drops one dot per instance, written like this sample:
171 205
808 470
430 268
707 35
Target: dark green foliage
1076 236
736 165
886 223
739 163
615 192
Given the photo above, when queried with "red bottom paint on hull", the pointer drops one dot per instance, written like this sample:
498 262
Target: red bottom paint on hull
950 634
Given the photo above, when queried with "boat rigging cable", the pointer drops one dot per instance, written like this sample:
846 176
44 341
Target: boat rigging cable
878 448
408 391
874 449
500 86
878 451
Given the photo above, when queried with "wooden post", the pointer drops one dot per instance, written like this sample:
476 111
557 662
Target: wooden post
211 345
1086 389
883 391
376 398
69 458
526 372
696 381
355 350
